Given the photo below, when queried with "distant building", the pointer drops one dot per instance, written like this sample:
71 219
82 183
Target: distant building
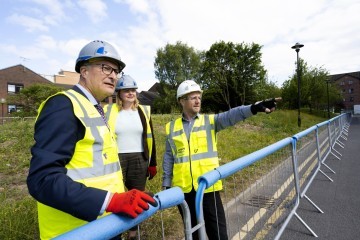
15 78
12 80
349 85
67 78
148 97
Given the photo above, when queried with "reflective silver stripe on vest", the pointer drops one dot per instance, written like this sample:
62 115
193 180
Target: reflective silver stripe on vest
146 111
98 168
107 114
199 156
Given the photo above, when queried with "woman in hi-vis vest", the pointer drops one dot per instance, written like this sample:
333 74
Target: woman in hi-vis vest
132 125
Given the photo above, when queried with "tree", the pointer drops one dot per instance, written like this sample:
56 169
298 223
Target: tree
31 97
313 88
235 73
174 64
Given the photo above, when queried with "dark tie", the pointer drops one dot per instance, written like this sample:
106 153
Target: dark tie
101 111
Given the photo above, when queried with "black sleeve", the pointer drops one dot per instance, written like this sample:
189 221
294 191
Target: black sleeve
153 153
57 131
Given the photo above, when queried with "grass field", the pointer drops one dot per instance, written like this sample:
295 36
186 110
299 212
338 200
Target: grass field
18 215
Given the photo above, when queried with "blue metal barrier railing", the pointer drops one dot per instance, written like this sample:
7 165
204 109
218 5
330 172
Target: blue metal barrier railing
113 224
210 178
320 152
326 133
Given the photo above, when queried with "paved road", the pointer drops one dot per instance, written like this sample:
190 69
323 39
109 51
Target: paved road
340 199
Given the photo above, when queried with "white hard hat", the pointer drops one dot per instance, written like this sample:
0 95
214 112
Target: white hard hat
98 49
126 82
186 87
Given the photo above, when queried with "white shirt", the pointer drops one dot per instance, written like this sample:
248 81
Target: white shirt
129 131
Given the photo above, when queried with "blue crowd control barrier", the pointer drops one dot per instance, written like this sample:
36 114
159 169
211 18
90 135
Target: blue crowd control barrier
114 224
234 166
322 123
304 133
210 178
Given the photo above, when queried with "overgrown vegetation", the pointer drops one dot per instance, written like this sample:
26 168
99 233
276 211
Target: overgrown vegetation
31 97
18 214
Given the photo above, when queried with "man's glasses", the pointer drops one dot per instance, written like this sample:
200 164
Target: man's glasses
192 98
106 69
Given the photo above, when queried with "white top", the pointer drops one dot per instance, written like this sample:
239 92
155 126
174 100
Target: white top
129 131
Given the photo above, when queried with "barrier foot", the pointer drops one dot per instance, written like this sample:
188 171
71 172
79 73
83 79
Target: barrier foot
307 227
335 155
325 175
336 151
328 167
342 145
319 209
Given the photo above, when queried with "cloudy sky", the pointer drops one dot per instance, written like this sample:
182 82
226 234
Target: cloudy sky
47 35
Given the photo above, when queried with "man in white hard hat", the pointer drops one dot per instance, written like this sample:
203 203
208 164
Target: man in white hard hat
74 172
191 151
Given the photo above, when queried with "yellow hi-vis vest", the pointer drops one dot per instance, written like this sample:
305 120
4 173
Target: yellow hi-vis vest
111 112
195 156
95 163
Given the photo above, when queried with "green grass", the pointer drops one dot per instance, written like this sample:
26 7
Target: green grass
18 216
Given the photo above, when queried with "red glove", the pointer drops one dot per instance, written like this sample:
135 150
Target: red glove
131 203
152 172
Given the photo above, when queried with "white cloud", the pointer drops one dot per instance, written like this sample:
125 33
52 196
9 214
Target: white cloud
31 24
55 11
328 29
95 9
46 42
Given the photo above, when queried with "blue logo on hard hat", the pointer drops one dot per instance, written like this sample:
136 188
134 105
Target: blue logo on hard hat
101 50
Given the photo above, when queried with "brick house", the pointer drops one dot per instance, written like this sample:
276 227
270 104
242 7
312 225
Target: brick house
349 85
12 80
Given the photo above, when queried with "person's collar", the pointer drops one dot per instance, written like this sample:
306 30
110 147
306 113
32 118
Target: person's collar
87 94
193 118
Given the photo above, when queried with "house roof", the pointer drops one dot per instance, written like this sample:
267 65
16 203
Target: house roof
341 75
155 87
20 73
147 97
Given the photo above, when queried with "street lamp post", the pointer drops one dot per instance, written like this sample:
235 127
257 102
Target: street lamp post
297 47
328 99
3 100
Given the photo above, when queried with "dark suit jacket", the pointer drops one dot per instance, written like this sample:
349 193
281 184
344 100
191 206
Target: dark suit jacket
57 131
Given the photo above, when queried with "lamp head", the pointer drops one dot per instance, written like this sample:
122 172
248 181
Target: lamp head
297 46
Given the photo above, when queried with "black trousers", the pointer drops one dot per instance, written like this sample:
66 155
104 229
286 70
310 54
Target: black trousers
214 215
134 169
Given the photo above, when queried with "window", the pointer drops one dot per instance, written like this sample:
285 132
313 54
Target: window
342 83
11 108
15 88
350 82
351 90
351 99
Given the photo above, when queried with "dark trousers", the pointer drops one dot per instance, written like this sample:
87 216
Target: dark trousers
214 215
134 169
